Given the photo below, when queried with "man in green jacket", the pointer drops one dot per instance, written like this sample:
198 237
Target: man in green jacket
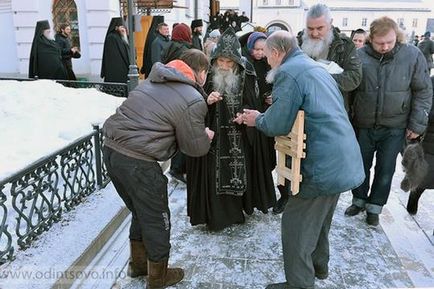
333 162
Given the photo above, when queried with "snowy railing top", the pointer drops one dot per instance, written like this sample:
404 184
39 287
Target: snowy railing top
36 196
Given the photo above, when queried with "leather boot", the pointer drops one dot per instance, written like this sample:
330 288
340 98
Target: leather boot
281 203
138 264
161 277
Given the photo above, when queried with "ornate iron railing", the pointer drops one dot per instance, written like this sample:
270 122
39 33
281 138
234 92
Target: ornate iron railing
38 195
115 89
112 88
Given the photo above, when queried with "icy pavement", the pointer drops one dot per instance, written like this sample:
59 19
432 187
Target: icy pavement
397 254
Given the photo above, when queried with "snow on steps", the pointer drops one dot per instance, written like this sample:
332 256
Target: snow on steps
58 256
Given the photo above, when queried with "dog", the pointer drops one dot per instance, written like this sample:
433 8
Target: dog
414 165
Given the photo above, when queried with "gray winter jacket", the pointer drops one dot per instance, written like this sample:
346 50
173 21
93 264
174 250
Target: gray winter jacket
159 44
395 90
164 113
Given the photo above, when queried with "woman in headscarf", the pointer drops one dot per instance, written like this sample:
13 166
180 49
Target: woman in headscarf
181 41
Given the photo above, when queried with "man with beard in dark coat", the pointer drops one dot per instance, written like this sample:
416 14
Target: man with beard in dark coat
45 55
68 52
196 29
116 55
232 178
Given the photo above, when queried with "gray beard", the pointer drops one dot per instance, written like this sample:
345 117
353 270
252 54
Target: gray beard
124 38
316 49
271 75
225 81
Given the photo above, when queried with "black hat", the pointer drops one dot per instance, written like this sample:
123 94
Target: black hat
427 34
43 25
196 23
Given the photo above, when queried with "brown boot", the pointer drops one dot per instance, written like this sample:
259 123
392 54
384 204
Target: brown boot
138 265
161 277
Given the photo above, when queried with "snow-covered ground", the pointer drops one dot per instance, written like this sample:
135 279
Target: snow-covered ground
397 254
40 117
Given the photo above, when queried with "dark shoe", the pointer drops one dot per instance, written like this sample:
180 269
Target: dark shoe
277 286
353 210
281 203
372 219
321 273
161 277
138 264
178 176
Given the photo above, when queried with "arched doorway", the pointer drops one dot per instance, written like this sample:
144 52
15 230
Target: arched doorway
276 26
65 11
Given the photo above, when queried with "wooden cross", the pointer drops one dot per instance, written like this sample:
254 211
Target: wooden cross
291 145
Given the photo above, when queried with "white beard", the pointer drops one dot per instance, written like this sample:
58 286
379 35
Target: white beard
271 75
49 35
225 81
125 38
315 48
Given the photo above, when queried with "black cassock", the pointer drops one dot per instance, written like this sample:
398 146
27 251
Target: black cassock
116 55
235 176
65 46
45 56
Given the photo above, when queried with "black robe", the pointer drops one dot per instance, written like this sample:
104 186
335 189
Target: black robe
262 68
45 56
147 49
116 55
217 205
65 46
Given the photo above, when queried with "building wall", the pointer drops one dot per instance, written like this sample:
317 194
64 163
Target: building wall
19 17
8 47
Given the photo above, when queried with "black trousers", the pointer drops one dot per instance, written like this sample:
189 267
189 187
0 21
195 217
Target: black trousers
143 188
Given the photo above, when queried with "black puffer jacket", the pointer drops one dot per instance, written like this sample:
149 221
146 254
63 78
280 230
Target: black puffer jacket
395 90
164 113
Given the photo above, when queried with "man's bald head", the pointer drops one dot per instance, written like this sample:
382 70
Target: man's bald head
277 45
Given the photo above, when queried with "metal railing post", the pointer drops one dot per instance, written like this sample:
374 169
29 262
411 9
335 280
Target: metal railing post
97 156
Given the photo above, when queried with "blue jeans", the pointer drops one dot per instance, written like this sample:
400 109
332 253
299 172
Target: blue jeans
386 143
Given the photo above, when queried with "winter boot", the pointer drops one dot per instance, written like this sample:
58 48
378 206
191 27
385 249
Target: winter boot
353 210
281 203
372 219
413 201
138 264
278 286
161 277
321 272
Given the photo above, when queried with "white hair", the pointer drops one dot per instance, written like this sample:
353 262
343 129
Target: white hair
319 10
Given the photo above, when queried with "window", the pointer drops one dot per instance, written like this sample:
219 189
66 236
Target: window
400 21
65 11
364 22
264 2
345 22
414 24
278 2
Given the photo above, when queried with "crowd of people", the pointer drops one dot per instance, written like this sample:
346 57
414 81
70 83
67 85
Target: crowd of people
214 107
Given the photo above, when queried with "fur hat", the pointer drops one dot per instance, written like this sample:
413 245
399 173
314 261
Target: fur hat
196 23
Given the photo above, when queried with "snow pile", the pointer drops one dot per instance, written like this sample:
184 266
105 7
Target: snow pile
39 117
